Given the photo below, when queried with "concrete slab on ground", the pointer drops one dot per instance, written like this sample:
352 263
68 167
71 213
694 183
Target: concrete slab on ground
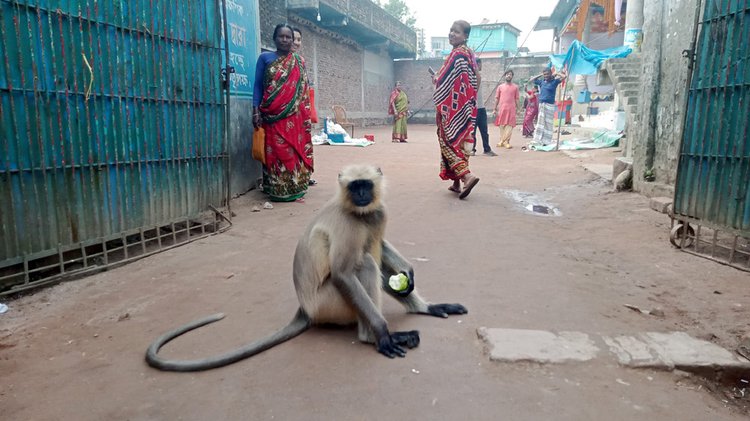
660 204
650 349
654 189
511 345
670 350
602 170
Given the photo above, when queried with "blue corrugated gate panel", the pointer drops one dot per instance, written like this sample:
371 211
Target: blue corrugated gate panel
113 118
714 169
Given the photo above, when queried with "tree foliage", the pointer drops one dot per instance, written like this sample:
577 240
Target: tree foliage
399 10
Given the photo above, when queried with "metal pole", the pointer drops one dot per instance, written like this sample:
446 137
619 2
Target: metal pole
560 117
227 121
565 91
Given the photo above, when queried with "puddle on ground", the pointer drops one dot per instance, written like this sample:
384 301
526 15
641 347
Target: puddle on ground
532 203
540 209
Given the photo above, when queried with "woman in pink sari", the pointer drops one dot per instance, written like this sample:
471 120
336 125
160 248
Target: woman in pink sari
531 103
456 110
282 107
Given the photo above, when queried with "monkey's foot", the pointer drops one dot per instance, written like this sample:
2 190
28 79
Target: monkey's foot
409 339
443 310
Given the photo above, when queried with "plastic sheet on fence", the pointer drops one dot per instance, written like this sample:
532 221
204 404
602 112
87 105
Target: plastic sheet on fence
602 139
582 60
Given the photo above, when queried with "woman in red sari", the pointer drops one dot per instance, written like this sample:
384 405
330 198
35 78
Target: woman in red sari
531 103
281 106
456 110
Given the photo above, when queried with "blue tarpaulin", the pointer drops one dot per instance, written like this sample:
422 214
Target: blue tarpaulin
582 60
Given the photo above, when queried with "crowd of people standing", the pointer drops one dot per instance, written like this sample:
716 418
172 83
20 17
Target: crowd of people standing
283 107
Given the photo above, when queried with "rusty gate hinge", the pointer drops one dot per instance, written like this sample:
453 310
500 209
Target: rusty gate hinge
690 55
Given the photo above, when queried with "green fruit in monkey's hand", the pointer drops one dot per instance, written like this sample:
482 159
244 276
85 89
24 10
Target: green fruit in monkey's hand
398 282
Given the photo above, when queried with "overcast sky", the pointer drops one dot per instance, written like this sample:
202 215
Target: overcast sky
436 17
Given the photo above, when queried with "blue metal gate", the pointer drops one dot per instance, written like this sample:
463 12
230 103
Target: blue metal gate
713 176
113 136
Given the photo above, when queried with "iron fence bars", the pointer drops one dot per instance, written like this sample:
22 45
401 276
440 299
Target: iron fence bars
113 131
713 177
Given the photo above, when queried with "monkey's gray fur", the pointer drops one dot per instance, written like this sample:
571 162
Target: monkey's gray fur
341 265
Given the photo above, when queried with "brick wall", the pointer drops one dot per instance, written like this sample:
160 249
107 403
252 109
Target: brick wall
337 71
335 66
379 81
272 13
416 82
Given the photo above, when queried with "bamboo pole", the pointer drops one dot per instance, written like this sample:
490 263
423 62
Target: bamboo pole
561 113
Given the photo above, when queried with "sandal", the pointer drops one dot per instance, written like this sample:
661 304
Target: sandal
468 186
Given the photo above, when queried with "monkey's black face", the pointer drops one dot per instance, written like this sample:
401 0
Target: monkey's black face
361 192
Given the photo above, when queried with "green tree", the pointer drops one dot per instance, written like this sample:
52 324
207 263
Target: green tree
399 10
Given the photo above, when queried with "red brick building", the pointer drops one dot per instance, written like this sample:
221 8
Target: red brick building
349 47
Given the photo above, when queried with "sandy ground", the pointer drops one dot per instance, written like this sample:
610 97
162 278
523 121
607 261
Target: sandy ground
75 351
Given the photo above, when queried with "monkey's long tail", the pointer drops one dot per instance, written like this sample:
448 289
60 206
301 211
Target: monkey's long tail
299 324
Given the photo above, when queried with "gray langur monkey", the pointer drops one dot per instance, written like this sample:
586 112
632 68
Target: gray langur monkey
341 265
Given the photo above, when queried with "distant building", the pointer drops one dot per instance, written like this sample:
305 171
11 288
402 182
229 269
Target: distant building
487 40
565 21
439 46
595 27
494 39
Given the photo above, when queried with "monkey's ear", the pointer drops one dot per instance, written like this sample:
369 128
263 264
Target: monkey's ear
339 176
379 170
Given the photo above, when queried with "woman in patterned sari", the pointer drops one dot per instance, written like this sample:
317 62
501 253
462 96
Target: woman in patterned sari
398 107
281 106
531 104
456 110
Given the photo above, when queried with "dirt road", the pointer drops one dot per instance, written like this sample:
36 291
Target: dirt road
75 351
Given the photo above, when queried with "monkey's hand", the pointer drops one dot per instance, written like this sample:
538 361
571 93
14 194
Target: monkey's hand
388 347
409 339
391 345
443 310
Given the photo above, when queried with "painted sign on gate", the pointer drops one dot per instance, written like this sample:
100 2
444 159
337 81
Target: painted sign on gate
242 24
